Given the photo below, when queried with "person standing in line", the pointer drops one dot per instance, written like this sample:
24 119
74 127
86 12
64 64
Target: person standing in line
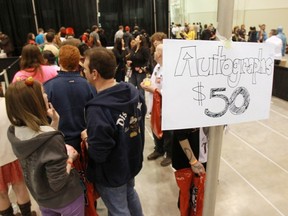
189 157
139 62
262 35
115 129
206 33
62 91
6 44
190 149
282 36
11 172
277 45
50 44
119 33
94 39
45 160
39 39
32 64
164 144
120 53
127 36
31 39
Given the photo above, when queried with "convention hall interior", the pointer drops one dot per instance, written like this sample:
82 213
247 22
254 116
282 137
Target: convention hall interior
252 174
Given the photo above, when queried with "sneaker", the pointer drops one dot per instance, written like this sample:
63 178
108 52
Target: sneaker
166 162
154 155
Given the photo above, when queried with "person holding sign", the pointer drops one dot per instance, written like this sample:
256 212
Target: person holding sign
189 147
187 159
164 144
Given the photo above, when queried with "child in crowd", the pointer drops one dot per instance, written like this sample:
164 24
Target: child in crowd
11 172
41 150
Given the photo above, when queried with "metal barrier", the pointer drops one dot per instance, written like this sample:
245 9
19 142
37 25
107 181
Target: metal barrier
10 65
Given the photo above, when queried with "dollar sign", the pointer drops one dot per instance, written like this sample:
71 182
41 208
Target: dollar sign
200 95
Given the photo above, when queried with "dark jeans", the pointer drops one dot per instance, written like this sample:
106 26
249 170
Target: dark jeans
136 78
165 143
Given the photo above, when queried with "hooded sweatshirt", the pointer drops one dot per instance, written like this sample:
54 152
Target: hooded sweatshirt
115 128
43 159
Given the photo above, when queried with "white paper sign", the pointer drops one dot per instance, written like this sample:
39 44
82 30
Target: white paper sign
207 84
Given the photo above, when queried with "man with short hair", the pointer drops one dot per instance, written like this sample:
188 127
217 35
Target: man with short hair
119 33
277 44
115 128
94 39
50 45
127 36
39 39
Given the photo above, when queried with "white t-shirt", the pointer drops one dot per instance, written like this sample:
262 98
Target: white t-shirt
277 43
6 152
156 81
26 133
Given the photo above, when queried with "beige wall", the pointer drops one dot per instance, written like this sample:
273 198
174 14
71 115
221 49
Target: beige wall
250 12
271 17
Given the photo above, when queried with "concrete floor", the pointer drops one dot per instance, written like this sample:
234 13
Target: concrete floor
253 171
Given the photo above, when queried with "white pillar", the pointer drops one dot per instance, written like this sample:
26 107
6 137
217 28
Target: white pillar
225 21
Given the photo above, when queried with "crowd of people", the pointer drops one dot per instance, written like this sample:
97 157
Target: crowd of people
194 31
72 91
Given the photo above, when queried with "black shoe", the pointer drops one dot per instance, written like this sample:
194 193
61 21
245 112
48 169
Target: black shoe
154 155
166 161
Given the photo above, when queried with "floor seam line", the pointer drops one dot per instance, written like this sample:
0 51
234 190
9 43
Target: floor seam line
259 152
266 126
254 188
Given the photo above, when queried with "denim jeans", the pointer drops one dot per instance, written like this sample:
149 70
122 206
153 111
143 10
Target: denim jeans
76 208
121 201
136 79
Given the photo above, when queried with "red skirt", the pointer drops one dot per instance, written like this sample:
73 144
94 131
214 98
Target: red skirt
10 174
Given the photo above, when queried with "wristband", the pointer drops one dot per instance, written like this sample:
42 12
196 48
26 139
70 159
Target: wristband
193 162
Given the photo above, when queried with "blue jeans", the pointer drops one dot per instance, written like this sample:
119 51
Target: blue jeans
121 201
136 79
76 208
